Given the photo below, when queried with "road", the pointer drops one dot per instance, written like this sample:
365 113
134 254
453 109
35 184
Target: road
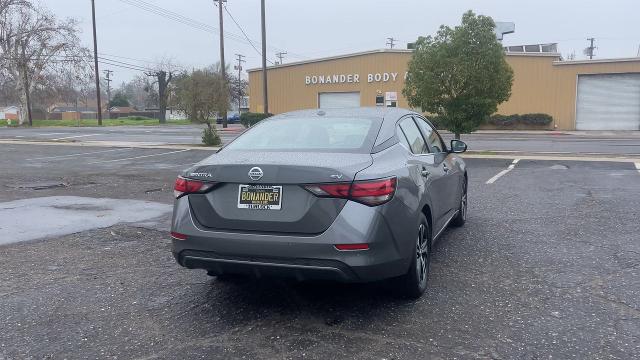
548 265
170 134
625 143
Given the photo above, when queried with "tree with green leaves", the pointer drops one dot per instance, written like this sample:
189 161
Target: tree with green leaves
459 75
202 95
119 99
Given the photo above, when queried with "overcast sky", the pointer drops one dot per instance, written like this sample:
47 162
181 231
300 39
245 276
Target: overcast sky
311 29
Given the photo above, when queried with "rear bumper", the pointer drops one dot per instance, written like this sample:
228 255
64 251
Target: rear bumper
300 269
301 257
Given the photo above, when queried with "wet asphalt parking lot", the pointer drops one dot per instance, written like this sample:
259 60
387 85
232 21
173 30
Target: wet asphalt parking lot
547 266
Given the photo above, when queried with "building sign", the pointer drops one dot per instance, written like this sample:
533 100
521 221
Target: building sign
351 78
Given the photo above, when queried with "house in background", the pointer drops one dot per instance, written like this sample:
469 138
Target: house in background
9 112
122 109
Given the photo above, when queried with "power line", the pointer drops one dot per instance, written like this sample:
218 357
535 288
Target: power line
157 10
141 68
245 34
121 66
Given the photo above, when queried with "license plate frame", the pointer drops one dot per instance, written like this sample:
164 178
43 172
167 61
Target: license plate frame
271 200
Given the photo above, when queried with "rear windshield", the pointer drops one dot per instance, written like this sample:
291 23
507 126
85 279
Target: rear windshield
310 134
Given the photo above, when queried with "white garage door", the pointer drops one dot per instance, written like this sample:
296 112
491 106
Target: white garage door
338 100
608 102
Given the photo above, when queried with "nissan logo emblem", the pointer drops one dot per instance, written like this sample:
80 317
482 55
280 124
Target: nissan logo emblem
255 173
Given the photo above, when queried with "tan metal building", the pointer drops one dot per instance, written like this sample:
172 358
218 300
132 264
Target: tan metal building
580 95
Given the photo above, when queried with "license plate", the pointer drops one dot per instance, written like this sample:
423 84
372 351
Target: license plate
260 197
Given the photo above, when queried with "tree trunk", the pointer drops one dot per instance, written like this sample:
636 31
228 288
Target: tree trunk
22 98
163 83
457 137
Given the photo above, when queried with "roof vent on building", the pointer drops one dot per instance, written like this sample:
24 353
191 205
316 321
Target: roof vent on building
536 48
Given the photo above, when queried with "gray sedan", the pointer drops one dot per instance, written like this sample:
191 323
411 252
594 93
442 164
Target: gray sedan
349 195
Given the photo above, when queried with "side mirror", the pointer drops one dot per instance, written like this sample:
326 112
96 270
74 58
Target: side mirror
458 146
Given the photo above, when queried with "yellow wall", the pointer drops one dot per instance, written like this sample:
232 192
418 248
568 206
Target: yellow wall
288 90
542 84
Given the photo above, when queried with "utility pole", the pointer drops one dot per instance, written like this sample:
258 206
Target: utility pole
239 68
223 69
108 80
95 60
391 42
591 48
265 95
27 90
280 56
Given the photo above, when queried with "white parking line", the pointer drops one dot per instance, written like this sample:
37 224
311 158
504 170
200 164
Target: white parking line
52 134
638 166
503 172
138 157
76 136
80 154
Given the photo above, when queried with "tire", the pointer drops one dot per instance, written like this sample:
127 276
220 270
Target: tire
414 282
461 218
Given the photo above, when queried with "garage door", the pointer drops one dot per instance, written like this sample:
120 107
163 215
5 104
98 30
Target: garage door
608 102
339 100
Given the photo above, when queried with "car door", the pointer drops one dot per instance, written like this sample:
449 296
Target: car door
426 173
443 159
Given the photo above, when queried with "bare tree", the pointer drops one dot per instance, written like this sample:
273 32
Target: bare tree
34 43
163 74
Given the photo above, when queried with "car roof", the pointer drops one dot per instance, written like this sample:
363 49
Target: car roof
362 112
388 117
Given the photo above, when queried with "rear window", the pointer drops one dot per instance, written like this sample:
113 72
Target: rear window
310 134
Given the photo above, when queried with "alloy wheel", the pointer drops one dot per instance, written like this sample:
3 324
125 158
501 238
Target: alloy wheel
422 254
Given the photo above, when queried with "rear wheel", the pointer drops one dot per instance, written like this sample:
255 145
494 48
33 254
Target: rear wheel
461 218
414 282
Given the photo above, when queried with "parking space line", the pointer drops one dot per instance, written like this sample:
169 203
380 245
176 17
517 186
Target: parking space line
638 166
75 136
138 157
52 134
72 155
503 172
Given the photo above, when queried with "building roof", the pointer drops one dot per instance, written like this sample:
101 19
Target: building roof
394 51
122 109
369 52
597 61
9 108
57 109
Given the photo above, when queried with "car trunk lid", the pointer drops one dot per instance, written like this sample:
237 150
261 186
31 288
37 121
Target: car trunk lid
300 211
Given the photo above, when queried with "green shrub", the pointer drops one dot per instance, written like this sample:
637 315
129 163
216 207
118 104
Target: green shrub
249 119
210 137
525 119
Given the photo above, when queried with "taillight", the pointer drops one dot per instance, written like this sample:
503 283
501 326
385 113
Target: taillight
369 192
184 186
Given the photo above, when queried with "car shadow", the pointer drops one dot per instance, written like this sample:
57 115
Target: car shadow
329 303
